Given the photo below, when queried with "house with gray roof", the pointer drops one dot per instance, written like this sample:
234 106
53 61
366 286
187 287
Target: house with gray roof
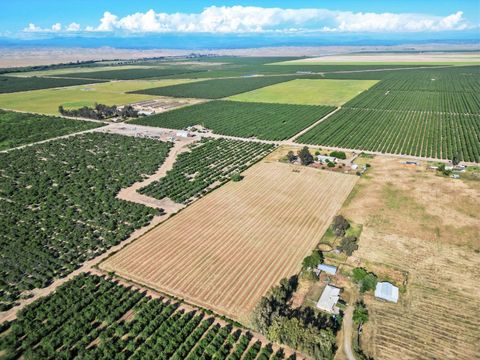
329 298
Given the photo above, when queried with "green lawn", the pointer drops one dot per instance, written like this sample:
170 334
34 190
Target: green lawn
47 101
307 92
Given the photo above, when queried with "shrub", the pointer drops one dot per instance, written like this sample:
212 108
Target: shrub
340 225
348 245
339 154
367 281
360 313
313 260
236 177
291 157
330 164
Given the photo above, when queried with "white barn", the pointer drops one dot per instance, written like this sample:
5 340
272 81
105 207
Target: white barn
329 299
386 291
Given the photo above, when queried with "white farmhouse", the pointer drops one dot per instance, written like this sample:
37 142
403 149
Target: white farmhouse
329 299
324 159
386 291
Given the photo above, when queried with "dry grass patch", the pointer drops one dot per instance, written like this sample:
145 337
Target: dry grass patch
226 250
420 226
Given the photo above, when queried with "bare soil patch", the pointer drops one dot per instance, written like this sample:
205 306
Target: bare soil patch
226 250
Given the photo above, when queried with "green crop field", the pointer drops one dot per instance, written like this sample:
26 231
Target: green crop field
307 92
235 118
19 128
210 163
59 206
459 79
91 317
446 102
110 93
216 88
400 132
11 84
450 90
132 74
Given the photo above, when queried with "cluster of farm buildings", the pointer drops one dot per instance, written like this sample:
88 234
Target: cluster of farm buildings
331 293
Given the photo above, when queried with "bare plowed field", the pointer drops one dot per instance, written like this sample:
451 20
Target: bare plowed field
226 250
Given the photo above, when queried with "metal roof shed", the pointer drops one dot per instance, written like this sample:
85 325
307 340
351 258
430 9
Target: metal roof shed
386 291
329 269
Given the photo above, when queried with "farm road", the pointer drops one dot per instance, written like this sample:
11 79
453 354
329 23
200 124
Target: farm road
347 333
131 193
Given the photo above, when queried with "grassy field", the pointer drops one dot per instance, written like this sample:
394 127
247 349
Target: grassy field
226 250
111 93
19 128
79 70
427 227
236 118
308 92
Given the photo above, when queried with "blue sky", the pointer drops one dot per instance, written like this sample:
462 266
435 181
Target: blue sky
35 19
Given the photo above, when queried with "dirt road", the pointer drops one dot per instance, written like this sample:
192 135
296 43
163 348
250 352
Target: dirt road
131 193
347 333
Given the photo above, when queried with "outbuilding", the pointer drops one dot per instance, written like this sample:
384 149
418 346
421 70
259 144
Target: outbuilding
386 291
329 269
182 133
328 299
325 158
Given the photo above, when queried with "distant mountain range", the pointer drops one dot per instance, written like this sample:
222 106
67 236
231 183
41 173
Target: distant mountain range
237 41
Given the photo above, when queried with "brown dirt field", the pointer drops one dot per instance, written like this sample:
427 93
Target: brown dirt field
226 250
425 226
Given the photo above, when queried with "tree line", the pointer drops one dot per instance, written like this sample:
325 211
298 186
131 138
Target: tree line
100 112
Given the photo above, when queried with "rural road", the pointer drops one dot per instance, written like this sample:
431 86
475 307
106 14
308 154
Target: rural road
347 333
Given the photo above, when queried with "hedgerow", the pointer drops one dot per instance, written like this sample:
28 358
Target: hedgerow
244 119
20 128
9 84
87 318
58 205
434 135
210 163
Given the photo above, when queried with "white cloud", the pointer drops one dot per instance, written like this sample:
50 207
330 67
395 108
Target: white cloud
73 27
56 27
252 19
34 28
